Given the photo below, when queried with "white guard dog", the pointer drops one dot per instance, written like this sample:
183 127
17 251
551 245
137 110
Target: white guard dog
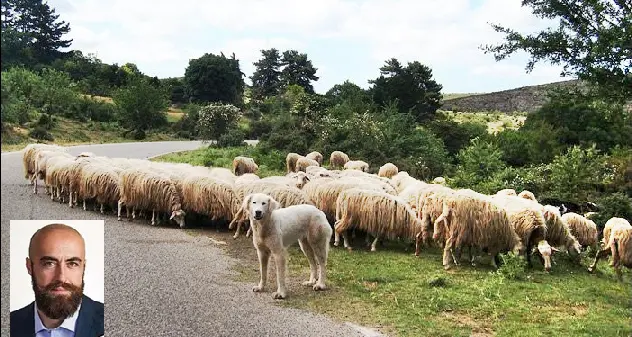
275 229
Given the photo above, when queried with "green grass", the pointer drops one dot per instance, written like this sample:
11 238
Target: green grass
404 295
495 121
270 163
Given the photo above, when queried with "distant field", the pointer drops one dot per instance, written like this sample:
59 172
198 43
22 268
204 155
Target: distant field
403 295
458 95
495 121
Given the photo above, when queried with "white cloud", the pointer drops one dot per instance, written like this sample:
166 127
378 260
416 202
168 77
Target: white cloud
441 34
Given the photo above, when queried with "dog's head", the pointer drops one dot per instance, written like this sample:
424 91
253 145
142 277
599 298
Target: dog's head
260 205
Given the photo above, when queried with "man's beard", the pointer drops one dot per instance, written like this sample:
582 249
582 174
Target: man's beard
57 306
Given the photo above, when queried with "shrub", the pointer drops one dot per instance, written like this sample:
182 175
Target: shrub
40 133
234 137
614 205
216 119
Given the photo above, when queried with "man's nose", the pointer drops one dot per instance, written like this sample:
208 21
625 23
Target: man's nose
61 273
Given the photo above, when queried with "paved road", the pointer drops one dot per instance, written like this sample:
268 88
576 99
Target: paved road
159 281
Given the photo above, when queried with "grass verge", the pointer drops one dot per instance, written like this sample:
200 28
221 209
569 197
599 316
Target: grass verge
403 295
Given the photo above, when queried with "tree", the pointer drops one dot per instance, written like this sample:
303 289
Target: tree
31 33
215 78
412 87
593 40
143 106
266 79
298 70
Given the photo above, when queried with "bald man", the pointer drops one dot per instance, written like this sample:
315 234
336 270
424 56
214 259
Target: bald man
56 263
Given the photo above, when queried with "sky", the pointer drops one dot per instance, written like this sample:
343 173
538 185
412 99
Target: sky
344 39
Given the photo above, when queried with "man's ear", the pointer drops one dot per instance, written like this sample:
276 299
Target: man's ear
28 266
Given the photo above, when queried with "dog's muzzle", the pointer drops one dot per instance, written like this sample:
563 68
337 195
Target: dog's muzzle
258 215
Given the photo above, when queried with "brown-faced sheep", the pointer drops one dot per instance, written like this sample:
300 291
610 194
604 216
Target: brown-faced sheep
527 195
617 241
303 163
359 165
338 159
375 212
243 165
475 222
388 170
316 156
583 229
507 191
557 232
290 161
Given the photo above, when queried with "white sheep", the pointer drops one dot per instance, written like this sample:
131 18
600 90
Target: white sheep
357 165
338 159
388 170
243 165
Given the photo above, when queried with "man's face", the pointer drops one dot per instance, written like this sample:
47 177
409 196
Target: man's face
56 267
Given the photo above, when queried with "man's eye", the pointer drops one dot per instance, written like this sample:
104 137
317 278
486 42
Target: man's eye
73 264
49 264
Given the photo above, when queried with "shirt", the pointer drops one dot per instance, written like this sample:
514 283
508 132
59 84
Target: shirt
66 329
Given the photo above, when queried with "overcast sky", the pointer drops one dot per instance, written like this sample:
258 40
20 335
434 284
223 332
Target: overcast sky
346 40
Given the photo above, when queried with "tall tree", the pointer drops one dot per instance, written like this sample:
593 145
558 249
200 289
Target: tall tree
298 70
593 40
266 79
215 78
32 33
411 87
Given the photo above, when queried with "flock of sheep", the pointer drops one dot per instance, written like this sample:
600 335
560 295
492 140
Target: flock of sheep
389 205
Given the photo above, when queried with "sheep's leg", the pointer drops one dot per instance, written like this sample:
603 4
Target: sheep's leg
133 214
418 238
249 232
236 230
345 240
471 256
35 183
70 198
84 205
102 212
336 239
373 249
495 261
120 205
153 217
447 251
600 254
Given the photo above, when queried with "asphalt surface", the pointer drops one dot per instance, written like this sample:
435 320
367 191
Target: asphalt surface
160 281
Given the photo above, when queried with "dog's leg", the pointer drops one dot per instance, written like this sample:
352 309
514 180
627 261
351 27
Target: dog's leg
313 266
280 261
320 252
264 257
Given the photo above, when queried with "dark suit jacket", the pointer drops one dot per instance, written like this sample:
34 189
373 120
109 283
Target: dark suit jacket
89 322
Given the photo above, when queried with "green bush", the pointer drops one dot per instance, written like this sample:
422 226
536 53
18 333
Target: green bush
216 119
40 133
455 135
615 205
477 164
234 137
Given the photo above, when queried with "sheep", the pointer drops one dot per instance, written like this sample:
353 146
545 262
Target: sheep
617 240
220 173
316 156
439 181
412 192
242 165
58 176
357 165
246 178
284 194
290 161
429 208
527 219
210 196
319 171
42 159
100 182
338 159
527 195
388 170
304 162
29 158
557 232
402 180
144 189
584 229
375 212
475 222
507 191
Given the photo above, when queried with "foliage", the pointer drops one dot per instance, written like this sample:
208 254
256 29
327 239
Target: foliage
614 205
142 106
266 79
536 144
31 33
591 41
216 119
214 78
513 267
234 137
176 88
577 174
412 88
582 119
40 133
477 164
297 70
57 94
19 90
455 135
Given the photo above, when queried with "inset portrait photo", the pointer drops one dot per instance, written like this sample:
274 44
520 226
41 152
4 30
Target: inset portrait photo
57 278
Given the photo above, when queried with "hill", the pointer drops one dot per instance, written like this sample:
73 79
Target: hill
523 99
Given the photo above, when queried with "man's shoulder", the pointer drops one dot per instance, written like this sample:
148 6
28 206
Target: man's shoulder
96 306
21 320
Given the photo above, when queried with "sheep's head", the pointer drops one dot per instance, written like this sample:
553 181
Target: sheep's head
301 180
545 250
574 248
178 217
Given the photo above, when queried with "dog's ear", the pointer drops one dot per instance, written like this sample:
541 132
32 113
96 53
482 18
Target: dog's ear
274 204
245 205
